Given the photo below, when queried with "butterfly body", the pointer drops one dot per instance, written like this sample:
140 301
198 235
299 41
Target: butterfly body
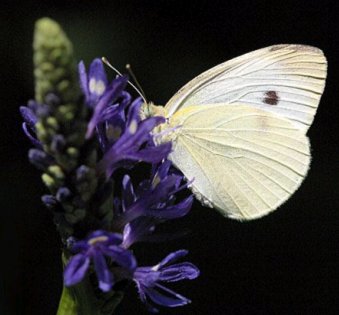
239 129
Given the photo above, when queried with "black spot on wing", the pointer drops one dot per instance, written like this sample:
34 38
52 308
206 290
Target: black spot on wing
271 98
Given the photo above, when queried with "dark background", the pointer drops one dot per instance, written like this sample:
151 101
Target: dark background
285 263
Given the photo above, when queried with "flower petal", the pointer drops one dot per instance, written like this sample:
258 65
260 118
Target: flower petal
172 257
116 113
30 136
128 195
113 91
144 128
176 211
76 269
136 230
177 272
105 277
97 72
172 299
148 278
79 246
134 111
137 133
121 256
40 159
165 188
110 112
28 116
159 172
83 80
154 154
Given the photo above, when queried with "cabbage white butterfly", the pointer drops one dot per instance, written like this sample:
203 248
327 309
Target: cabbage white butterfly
242 128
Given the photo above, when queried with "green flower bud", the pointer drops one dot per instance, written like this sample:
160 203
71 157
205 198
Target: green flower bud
49 181
56 172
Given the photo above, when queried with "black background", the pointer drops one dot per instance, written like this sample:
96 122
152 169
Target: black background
285 263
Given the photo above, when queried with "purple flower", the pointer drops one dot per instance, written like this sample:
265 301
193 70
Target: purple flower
135 143
99 95
125 139
95 83
114 122
96 247
149 281
152 203
30 119
40 159
110 96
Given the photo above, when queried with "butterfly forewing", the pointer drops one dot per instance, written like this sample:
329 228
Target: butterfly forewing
284 79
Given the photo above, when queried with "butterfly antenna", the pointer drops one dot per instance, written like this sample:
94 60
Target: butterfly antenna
106 62
130 71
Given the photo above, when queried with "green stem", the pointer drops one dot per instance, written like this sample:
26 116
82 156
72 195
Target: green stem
79 300
67 304
82 300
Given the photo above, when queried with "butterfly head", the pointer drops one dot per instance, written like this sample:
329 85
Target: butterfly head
164 132
150 110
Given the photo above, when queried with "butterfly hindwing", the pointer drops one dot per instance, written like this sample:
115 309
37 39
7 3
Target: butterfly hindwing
284 79
245 161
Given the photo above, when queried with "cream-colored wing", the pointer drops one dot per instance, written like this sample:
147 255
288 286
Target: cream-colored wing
284 79
245 161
